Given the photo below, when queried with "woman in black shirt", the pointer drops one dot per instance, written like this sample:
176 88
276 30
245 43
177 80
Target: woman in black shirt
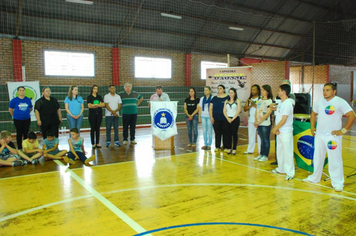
95 105
191 116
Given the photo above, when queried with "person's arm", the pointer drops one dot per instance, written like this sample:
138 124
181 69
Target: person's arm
11 111
66 106
313 116
196 110
275 129
51 149
239 107
72 150
3 145
139 101
101 104
225 111
186 110
92 106
37 114
211 113
59 112
350 116
247 107
81 110
200 111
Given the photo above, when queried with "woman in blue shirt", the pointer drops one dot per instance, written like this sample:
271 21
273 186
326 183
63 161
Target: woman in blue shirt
20 108
74 106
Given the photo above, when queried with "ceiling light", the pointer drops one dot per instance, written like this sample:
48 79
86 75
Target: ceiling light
236 28
81 2
171 16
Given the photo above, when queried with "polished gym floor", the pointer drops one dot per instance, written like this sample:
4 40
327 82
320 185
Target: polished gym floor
135 190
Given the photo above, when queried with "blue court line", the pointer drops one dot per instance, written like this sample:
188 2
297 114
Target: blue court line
221 223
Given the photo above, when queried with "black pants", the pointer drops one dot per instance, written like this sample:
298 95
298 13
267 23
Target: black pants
50 127
219 130
22 128
232 133
95 123
129 120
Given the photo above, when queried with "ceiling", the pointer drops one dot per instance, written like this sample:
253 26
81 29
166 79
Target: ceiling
272 29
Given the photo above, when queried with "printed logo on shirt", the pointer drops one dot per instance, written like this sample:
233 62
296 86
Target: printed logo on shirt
332 145
23 106
96 102
163 119
329 110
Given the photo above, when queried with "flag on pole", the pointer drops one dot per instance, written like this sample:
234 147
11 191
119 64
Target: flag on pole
163 115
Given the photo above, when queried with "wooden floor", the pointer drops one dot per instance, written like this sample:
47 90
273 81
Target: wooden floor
134 190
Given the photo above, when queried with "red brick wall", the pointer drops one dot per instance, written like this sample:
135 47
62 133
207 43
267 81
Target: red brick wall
6 61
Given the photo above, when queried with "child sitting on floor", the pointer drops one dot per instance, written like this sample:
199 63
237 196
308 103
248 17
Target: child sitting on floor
76 146
50 147
9 155
31 148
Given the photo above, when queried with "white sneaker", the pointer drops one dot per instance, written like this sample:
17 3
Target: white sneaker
275 171
288 177
124 142
248 152
338 189
263 158
306 180
133 142
257 158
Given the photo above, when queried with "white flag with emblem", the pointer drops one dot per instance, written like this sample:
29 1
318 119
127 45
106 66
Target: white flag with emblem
163 115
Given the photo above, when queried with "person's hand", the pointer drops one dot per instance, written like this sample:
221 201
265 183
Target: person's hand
76 157
278 132
116 115
255 124
274 131
252 102
337 132
39 123
273 106
212 120
312 131
199 121
2 142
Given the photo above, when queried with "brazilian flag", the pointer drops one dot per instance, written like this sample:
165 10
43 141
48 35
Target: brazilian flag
303 145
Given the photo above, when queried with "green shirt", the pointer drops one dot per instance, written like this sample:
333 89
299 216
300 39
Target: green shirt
129 102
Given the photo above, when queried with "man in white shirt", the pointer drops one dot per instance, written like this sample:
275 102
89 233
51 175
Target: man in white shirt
328 135
284 132
113 105
159 95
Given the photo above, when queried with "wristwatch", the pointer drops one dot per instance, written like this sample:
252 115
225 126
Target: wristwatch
344 131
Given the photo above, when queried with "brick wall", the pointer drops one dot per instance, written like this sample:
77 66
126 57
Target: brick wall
320 74
6 64
341 74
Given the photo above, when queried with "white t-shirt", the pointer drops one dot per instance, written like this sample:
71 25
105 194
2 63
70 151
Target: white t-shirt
285 109
204 113
231 109
261 110
252 111
163 97
330 114
113 102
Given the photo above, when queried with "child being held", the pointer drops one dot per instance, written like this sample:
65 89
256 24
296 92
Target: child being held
50 147
9 155
31 148
76 146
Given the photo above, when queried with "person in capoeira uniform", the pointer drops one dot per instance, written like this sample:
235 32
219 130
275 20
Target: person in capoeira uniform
328 135
284 132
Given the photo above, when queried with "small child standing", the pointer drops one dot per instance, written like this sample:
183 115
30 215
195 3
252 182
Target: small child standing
76 146
8 154
50 148
31 147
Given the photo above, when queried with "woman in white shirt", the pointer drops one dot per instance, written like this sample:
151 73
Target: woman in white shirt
204 118
232 109
263 122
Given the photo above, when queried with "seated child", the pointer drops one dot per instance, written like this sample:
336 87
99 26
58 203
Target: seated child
9 155
76 146
31 148
50 147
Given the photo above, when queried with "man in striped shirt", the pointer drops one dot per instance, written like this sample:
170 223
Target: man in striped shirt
130 101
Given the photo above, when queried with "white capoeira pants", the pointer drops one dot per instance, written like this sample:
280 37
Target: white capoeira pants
331 145
252 131
285 154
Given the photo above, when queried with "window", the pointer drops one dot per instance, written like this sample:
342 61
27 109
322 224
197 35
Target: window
153 68
209 64
64 63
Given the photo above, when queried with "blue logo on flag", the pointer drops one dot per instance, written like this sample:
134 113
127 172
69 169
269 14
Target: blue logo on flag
163 119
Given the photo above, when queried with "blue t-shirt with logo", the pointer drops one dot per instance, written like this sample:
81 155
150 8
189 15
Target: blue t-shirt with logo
22 108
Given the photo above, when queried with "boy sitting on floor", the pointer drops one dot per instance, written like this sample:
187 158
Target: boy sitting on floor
31 148
50 148
9 155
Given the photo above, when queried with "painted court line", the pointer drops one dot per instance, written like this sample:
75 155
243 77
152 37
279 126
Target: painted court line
135 226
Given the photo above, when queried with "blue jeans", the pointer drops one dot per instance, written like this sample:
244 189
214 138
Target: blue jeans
192 125
207 130
264 133
112 121
74 123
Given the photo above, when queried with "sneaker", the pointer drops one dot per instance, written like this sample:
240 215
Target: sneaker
194 145
70 161
338 189
189 145
248 152
257 158
92 158
17 163
107 144
306 180
133 142
226 150
208 148
117 144
263 158
275 171
125 142
288 177
35 162
217 150
274 163
203 148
